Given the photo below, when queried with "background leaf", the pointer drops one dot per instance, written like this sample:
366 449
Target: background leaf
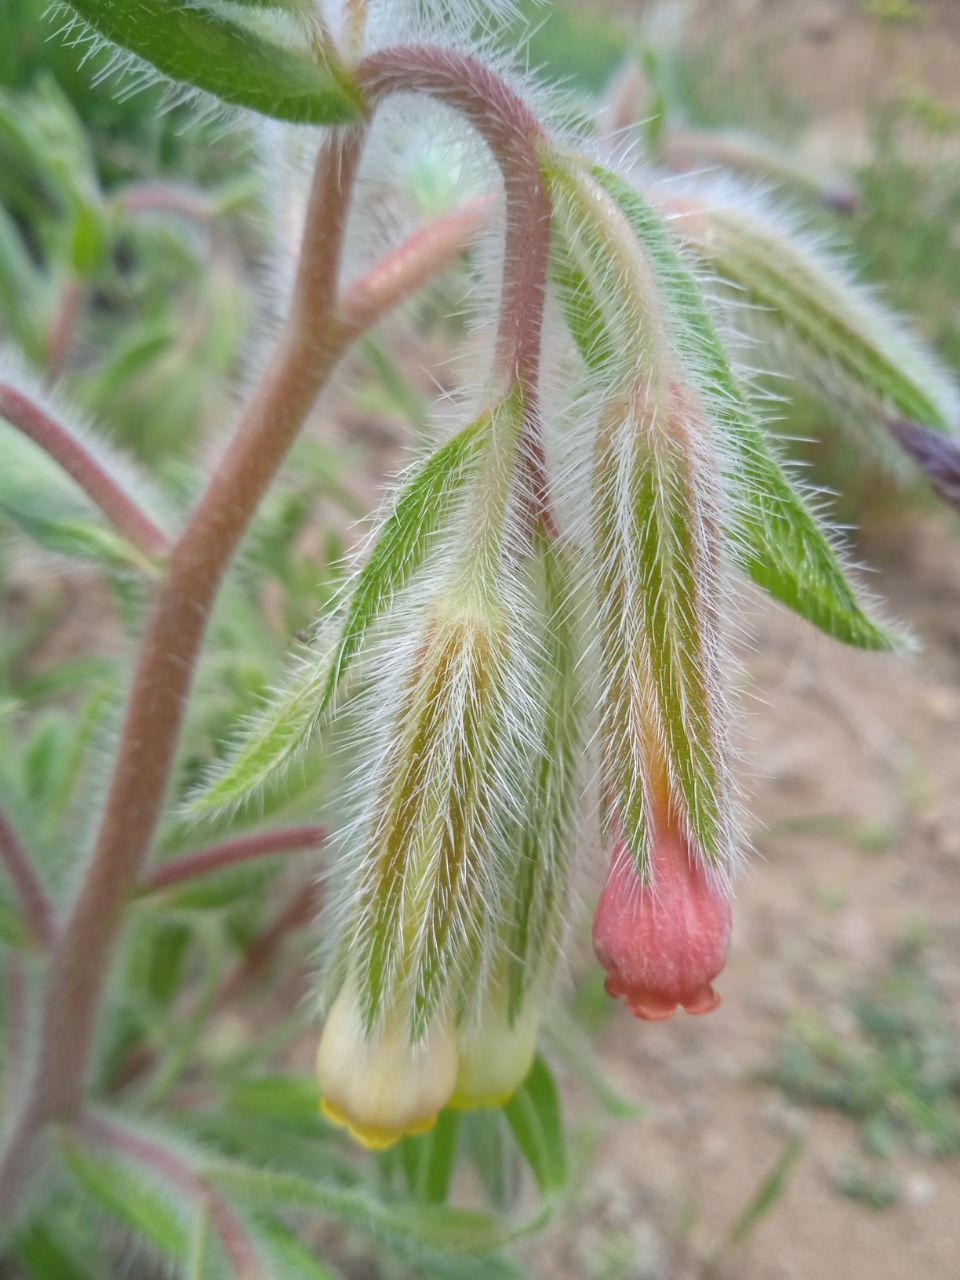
199 47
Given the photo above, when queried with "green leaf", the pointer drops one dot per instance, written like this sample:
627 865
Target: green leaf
843 343
546 828
568 1042
768 1193
286 1098
420 509
428 1159
779 543
45 1252
13 929
429 1227
199 47
289 1256
127 1196
200 1260
51 509
288 722
535 1117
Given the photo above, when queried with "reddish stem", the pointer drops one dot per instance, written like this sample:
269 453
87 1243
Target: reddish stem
512 133
410 265
173 1168
16 1028
64 325
92 477
232 853
299 911
167 197
32 895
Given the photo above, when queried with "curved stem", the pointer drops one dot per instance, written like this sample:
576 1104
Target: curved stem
169 1165
231 853
81 465
403 270
32 895
511 132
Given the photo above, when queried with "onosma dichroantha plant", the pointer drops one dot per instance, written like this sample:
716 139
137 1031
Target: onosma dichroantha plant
530 658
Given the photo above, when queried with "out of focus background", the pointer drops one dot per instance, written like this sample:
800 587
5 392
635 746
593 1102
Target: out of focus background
811 1127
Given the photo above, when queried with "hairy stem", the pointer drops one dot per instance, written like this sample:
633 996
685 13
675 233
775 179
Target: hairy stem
421 256
167 197
76 460
33 897
171 1166
231 854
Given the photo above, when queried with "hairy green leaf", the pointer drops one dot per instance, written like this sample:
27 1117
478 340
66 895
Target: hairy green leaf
428 1159
779 541
844 343
430 1227
288 722
421 507
545 830
199 47
290 1257
127 1197
657 525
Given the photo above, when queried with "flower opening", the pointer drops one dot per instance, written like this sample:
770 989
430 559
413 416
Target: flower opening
383 1087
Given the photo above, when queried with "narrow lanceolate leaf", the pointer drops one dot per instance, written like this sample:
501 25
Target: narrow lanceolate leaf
850 349
545 829
777 539
423 881
198 46
421 508
534 1115
421 1227
658 530
128 1198
287 723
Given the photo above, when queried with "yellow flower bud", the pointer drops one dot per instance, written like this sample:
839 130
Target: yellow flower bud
495 1058
382 1087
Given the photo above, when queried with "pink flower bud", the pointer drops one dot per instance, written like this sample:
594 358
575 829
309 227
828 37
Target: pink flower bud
662 943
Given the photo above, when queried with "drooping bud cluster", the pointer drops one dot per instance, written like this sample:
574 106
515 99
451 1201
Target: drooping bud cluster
507 663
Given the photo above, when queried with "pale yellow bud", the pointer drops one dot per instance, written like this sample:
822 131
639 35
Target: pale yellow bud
495 1058
382 1087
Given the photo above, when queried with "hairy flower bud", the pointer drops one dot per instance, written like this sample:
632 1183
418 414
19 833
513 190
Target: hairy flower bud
381 1087
662 942
496 1057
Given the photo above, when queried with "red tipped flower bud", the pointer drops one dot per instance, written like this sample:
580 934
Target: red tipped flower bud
661 943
